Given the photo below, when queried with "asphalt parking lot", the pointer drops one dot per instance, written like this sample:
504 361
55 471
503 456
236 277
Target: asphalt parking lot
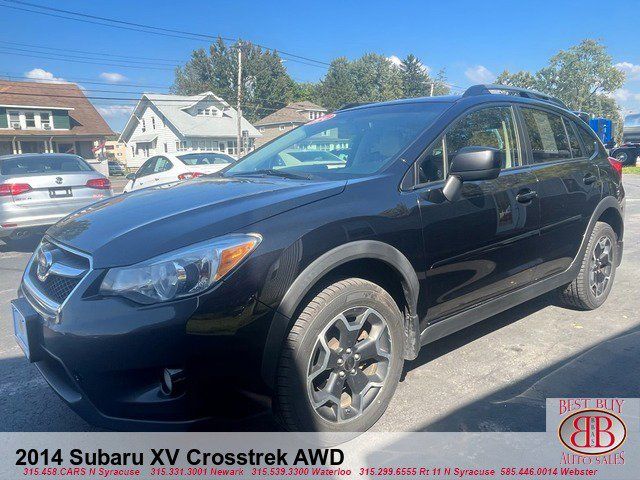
493 376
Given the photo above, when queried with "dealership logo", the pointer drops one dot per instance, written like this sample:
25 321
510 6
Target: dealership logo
592 432
45 260
59 180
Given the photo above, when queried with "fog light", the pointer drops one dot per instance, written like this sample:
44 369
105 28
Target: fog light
172 381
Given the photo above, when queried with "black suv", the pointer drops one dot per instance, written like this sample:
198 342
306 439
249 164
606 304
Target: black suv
314 277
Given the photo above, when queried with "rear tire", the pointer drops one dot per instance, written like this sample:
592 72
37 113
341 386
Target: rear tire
342 359
591 287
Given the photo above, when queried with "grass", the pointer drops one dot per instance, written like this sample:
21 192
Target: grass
631 170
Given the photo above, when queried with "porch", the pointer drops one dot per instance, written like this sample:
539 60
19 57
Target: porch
17 145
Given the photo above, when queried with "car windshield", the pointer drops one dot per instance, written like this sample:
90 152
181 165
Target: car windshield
205 159
43 165
346 144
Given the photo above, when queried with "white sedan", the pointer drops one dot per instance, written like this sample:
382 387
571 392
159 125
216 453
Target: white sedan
167 168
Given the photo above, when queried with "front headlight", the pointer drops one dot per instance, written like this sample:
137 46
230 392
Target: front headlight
182 273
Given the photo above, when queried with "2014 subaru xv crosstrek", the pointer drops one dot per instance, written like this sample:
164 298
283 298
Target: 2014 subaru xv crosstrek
314 277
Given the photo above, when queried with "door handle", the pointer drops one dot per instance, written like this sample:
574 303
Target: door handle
589 178
525 196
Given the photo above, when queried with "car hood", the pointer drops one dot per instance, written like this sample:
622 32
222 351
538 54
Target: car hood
133 227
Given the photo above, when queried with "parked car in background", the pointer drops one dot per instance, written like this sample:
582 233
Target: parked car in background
37 190
627 153
166 168
116 169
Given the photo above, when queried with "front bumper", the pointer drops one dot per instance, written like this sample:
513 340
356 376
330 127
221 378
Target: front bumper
105 357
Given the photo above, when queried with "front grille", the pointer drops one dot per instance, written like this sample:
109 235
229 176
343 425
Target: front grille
60 275
58 288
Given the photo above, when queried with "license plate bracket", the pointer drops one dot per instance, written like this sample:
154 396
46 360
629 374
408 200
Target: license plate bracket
27 329
60 192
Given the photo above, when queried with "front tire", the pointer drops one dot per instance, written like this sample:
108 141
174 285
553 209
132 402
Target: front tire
342 359
591 287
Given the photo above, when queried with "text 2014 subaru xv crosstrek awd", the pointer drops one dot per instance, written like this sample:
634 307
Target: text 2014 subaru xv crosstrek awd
312 277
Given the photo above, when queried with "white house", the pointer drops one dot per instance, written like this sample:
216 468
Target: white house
176 123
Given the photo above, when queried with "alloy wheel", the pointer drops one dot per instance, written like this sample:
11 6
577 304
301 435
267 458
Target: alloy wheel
349 364
601 266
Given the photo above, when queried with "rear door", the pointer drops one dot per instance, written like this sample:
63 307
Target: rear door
485 243
569 185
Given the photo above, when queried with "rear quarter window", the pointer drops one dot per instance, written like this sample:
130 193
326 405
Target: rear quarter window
588 139
24 166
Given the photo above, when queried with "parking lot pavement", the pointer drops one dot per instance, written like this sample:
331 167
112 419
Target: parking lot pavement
118 183
493 376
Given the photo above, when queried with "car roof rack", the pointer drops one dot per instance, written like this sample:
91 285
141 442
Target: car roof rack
485 89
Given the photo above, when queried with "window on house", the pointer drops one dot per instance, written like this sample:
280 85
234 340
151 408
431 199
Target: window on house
281 127
166 148
30 119
14 119
153 122
144 125
133 150
45 120
262 129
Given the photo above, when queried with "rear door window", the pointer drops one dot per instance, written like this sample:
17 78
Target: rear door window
162 165
147 167
588 141
42 165
547 135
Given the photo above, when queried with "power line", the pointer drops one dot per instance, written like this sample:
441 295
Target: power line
145 67
103 54
98 20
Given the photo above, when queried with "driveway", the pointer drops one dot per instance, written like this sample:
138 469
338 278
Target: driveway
493 376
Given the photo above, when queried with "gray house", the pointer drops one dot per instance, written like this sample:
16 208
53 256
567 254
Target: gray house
176 123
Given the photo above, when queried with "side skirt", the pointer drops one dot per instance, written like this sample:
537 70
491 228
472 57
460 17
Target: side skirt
493 307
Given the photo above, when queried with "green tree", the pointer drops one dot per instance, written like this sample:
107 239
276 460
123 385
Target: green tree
416 81
266 85
338 86
583 77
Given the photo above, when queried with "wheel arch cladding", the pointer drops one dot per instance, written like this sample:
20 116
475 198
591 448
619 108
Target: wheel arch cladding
348 260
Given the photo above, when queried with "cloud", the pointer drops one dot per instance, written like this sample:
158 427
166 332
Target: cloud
113 77
480 74
43 75
632 70
115 110
395 60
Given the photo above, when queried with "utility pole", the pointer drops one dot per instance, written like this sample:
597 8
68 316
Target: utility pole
239 106
432 84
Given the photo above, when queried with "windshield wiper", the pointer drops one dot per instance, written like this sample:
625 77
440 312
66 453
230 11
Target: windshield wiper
275 173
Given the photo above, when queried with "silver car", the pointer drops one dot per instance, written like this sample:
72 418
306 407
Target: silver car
37 190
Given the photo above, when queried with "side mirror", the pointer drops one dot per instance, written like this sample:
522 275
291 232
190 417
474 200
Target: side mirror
470 164
131 176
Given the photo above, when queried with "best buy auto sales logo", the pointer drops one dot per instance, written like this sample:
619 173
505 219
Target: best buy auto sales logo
592 434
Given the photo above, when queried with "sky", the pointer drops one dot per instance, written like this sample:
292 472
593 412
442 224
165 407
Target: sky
472 41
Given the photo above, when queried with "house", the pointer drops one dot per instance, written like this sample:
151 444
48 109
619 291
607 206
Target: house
283 120
115 150
175 123
49 118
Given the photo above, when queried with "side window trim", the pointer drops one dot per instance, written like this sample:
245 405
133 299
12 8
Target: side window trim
574 129
414 185
596 149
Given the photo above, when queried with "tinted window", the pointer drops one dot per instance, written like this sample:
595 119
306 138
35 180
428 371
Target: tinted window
431 167
43 165
366 140
489 127
205 159
147 167
162 165
574 142
547 135
588 140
